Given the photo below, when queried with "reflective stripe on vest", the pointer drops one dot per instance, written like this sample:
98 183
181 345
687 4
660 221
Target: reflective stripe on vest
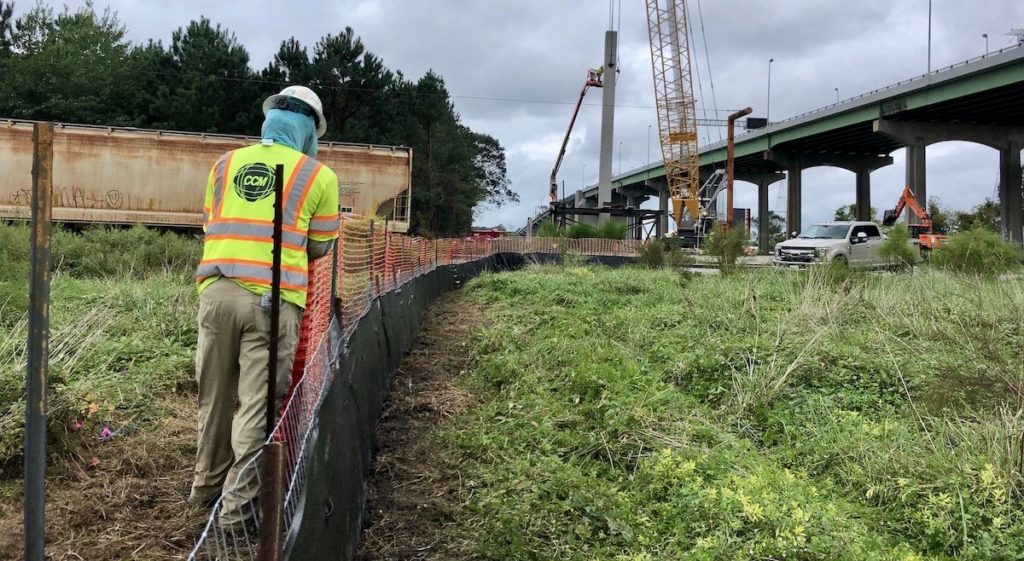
252 271
220 182
324 225
305 174
225 228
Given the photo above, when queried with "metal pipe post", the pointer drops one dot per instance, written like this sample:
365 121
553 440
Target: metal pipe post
275 298
272 502
38 342
730 166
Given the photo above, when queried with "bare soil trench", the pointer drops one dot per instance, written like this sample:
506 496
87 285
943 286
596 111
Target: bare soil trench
414 485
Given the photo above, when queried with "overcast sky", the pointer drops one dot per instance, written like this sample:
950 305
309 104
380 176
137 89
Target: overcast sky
515 68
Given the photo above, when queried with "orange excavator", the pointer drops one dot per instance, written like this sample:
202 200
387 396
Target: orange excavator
924 231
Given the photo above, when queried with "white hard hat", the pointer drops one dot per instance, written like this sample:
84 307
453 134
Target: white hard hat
305 95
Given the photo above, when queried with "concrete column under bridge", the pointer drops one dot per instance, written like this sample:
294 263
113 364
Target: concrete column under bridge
1007 140
1011 195
763 180
795 162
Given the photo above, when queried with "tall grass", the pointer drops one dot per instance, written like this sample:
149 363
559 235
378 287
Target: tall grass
623 415
96 252
117 347
122 329
612 229
977 252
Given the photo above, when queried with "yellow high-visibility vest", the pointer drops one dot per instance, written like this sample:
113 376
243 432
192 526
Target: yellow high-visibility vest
238 218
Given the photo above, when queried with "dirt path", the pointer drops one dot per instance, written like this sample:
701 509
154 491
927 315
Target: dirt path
413 486
123 499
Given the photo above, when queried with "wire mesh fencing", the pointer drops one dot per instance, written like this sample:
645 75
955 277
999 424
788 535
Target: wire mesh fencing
368 260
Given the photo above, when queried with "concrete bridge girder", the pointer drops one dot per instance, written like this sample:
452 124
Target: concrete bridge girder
1007 140
763 180
795 162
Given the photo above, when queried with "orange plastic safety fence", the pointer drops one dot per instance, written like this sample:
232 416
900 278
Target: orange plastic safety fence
368 261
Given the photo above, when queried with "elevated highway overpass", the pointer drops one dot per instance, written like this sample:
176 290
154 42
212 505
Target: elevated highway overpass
979 100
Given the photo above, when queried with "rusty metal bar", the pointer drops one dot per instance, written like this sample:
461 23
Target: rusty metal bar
730 149
275 297
38 341
272 489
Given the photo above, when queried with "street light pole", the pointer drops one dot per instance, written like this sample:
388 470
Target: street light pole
648 145
620 157
985 35
929 36
768 116
837 94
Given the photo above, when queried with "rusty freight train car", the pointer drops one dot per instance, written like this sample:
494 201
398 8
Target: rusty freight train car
109 175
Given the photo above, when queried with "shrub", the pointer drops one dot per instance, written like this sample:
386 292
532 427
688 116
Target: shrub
651 254
612 230
548 229
97 252
977 252
677 259
725 245
896 247
14 252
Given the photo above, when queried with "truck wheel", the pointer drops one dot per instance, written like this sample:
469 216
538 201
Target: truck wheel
841 261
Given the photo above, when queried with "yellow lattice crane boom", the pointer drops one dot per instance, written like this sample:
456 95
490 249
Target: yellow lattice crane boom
673 92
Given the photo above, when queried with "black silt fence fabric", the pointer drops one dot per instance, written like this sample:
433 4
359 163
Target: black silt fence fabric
331 510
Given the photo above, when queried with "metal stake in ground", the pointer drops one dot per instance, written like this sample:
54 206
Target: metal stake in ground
730 148
275 297
38 341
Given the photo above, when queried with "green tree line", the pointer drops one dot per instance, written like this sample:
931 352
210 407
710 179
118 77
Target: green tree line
79 67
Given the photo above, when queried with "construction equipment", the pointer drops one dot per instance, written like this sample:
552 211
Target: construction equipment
924 230
677 118
593 81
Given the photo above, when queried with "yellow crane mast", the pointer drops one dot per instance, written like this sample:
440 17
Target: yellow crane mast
673 92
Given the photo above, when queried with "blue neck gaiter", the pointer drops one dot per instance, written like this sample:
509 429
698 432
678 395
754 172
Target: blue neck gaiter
291 129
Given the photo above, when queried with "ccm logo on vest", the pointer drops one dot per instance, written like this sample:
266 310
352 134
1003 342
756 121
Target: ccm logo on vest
254 182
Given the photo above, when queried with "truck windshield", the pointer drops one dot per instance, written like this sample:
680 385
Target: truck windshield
826 232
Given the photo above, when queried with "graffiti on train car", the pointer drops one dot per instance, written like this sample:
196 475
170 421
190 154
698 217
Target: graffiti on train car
73 197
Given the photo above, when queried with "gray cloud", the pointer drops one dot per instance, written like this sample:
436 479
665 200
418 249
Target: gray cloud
539 50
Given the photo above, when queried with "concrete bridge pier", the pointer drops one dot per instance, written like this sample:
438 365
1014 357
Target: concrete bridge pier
659 186
763 180
795 162
1011 194
1007 140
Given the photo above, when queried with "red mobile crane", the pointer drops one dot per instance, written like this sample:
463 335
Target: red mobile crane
924 231
593 80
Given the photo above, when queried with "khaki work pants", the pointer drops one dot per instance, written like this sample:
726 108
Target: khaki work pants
231 368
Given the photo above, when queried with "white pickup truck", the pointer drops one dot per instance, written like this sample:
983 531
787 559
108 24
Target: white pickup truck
852 243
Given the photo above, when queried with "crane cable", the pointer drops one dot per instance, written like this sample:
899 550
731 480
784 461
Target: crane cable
707 57
700 86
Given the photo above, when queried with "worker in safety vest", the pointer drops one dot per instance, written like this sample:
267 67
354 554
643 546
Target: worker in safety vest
234 280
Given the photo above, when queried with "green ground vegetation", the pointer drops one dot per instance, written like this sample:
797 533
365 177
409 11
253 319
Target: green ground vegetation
896 248
122 325
641 414
612 229
977 252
